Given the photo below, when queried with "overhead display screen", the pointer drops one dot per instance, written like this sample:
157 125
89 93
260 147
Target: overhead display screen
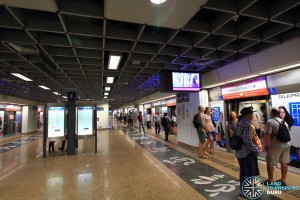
85 120
249 88
185 81
56 121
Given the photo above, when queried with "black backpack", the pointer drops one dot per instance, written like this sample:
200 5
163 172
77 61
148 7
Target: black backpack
236 142
283 133
195 121
164 122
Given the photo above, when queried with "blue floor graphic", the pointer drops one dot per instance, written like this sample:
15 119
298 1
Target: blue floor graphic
17 143
207 180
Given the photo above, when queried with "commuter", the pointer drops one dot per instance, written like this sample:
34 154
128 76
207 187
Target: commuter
157 123
141 122
201 131
51 145
166 123
130 119
63 144
233 120
125 118
148 119
211 135
247 154
276 149
284 115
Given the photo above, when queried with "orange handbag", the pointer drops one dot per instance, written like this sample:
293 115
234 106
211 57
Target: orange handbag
258 143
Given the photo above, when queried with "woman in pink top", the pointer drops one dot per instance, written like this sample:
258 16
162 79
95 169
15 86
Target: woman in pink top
212 132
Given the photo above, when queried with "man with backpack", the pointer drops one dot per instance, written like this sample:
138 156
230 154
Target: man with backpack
166 123
277 145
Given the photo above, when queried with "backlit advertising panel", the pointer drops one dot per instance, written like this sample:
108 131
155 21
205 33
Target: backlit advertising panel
249 88
218 118
85 120
56 121
289 106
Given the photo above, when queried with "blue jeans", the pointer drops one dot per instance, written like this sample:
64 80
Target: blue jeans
248 167
141 124
157 128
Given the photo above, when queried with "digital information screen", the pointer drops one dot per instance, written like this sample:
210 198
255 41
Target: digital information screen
184 81
56 121
85 120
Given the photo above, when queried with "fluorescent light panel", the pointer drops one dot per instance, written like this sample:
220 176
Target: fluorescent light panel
105 97
44 87
114 62
105 93
158 1
110 79
56 93
107 88
21 76
64 97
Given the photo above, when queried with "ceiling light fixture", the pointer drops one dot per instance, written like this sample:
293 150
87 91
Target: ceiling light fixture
64 97
281 69
56 93
114 62
158 1
21 76
105 93
107 88
110 79
105 97
44 87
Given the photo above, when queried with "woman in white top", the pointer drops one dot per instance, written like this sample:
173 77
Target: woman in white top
212 132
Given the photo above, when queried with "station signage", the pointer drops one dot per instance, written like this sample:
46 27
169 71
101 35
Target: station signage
56 121
244 89
85 120
181 98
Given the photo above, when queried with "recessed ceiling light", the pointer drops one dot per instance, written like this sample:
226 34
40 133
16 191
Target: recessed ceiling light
21 76
105 97
158 1
113 62
56 93
107 88
105 93
44 87
110 79
64 97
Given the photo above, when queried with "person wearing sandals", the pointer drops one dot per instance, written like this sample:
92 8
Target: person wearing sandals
247 154
276 150
209 145
201 131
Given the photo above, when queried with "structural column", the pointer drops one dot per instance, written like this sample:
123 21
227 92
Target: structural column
71 122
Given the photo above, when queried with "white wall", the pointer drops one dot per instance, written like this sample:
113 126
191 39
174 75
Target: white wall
103 116
29 119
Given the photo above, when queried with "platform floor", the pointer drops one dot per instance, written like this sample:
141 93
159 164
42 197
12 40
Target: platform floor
127 166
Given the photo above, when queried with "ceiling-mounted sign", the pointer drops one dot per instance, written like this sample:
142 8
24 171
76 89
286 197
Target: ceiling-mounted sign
85 120
244 89
184 97
56 121
147 106
171 102
47 65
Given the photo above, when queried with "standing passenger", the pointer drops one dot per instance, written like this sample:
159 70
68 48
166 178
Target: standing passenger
166 123
141 122
201 131
157 123
247 154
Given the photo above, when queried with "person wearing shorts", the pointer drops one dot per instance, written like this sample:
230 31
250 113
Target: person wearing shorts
277 151
201 131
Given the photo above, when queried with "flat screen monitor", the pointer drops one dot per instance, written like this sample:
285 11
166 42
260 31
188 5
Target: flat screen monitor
185 81
56 121
85 120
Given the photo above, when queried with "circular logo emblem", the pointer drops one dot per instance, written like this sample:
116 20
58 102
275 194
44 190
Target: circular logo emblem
253 187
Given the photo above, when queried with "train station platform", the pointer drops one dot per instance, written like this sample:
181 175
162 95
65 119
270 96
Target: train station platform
128 165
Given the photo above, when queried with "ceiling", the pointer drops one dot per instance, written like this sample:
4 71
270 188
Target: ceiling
77 36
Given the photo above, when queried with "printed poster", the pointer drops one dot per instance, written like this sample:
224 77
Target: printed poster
289 106
183 110
218 118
